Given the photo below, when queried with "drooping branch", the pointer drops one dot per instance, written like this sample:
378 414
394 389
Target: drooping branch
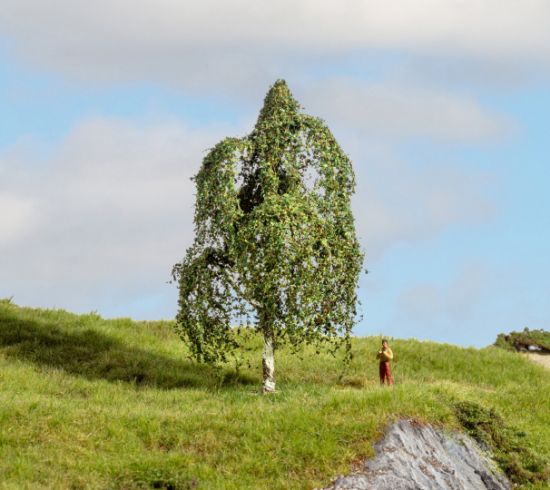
274 231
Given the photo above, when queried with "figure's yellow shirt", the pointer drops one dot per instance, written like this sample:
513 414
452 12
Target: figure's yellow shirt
385 355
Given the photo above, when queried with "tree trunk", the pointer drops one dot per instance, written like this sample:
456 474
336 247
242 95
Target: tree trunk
268 362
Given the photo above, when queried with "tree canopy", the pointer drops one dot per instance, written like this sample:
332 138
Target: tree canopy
274 240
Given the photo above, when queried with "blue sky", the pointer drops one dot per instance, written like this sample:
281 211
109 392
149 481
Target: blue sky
107 110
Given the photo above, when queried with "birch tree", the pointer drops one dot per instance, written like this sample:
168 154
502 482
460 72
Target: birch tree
274 240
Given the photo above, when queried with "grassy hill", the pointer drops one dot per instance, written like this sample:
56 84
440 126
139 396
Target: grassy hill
93 403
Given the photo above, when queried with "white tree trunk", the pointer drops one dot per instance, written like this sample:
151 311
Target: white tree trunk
268 362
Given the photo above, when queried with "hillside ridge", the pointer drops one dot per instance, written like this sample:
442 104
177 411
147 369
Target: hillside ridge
93 403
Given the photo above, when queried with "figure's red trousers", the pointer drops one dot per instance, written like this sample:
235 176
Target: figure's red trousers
385 373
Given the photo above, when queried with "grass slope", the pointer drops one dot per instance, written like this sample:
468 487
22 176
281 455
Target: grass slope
93 403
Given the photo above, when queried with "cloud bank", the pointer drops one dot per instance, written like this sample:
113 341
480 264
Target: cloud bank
213 43
397 112
99 222
107 215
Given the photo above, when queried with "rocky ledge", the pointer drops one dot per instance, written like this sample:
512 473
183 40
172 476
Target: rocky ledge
415 456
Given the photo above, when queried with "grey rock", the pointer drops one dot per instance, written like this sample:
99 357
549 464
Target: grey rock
413 456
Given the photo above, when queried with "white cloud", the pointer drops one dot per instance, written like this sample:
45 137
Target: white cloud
453 304
215 42
479 300
115 205
392 111
17 215
401 200
116 208
454 311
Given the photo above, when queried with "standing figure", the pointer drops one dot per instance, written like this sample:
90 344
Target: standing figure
385 355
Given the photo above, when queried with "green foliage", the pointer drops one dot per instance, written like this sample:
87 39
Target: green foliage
91 403
522 341
274 237
507 445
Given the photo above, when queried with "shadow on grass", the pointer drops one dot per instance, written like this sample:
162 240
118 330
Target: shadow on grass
93 355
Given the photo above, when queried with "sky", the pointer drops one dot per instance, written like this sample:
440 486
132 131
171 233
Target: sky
107 109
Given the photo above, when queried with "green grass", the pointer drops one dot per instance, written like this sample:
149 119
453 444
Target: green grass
93 403
520 463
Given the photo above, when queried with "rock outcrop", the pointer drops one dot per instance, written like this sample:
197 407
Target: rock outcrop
413 456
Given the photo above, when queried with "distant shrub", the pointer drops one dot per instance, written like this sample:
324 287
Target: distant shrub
507 444
537 340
